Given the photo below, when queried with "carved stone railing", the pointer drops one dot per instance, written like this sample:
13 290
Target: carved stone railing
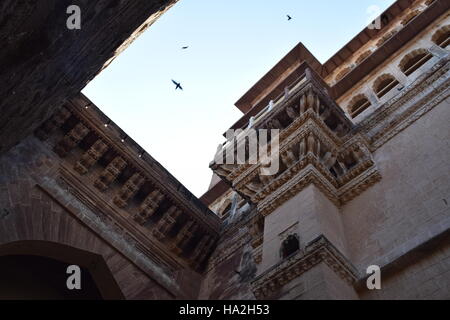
155 204
316 145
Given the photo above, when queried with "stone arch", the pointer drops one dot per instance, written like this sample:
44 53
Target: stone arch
386 37
341 74
383 84
358 104
290 246
410 16
442 36
363 56
414 60
33 216
91 262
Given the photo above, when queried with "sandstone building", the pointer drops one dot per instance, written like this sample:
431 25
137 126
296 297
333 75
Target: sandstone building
363 177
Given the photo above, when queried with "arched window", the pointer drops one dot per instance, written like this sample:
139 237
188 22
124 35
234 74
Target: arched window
225 213
363 56
290 246
410 16
384 84
442 37
414 60
357 105
386 37
342 73
224 210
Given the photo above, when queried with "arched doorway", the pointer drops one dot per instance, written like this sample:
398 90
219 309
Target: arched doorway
38 270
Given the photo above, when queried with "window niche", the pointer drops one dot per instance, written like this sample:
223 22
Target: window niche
290 246
357 105
442 37
414 60
384 84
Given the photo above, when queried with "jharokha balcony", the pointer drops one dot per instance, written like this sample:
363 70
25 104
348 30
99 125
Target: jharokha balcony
315 143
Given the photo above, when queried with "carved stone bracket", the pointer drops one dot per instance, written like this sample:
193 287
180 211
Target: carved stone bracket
110 173
130 188
168 214
316 145
148 207
90 157
71 140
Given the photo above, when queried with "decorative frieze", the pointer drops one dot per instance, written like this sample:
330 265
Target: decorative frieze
148 207
131 187
110 173
90 157
167 222
180 229
55 122
71 139
183 237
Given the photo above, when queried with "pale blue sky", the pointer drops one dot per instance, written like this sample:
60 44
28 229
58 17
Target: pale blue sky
232 44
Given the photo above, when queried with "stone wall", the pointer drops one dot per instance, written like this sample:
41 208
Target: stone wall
411 204
30 212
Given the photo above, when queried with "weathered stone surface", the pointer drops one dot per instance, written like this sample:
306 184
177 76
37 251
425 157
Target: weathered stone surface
352 192
43 63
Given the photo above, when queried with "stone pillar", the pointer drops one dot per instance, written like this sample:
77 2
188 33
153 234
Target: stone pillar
437 51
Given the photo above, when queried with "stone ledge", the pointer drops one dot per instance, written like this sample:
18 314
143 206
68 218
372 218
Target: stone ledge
316 251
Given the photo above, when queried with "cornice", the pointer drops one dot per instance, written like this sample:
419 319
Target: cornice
94 121
165 219
317 251
118 218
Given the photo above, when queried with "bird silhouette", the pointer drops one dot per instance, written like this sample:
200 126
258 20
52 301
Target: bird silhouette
177 85
289 17
185 47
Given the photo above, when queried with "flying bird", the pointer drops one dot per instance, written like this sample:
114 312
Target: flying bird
185 47
289 17
177 85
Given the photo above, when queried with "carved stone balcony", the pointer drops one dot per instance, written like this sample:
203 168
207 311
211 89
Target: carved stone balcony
316 145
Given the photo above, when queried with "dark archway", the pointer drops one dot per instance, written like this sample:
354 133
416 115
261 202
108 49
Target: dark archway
290 246
37 270
32 277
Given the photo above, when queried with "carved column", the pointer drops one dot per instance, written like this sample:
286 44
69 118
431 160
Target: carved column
437 51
